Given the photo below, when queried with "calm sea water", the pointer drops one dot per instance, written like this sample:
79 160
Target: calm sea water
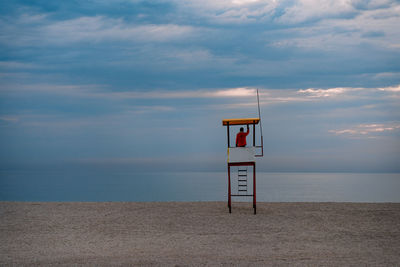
195 186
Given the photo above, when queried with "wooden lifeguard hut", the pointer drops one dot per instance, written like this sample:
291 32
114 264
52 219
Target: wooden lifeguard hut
243 158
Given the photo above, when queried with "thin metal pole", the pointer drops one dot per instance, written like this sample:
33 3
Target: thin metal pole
261 132
254 133
259 113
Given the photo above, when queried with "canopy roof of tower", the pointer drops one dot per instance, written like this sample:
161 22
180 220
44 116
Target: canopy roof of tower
241 121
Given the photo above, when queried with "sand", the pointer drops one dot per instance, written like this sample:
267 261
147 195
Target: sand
199 233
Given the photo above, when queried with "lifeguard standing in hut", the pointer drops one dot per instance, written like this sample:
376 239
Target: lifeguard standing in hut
243 157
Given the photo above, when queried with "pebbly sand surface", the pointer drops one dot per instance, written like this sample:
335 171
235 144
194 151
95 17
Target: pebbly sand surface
199 233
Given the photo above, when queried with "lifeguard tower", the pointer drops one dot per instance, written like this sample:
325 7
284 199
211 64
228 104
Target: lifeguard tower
243 158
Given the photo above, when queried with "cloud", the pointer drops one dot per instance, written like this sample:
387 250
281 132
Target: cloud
303 10
391 88
60 121
375 4
88 29
331 27
386 75
245 2
17 65
214 39
370 26
330 23
98 91
267 96
373 34
354 92
8 118
57 89
151 109
367 130
281 12
220 93
311 92
229 11
106 29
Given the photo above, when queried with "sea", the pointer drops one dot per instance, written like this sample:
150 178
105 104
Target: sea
114 185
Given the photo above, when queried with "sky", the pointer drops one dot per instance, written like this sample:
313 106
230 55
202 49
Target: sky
144 85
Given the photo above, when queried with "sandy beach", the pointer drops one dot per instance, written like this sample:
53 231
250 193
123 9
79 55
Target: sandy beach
199 233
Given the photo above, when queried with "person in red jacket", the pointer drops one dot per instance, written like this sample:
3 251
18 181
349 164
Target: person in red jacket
241 137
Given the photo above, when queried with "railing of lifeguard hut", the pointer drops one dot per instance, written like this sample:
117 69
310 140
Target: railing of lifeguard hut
262 148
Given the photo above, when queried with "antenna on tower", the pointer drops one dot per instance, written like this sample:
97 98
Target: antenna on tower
259 113
259 116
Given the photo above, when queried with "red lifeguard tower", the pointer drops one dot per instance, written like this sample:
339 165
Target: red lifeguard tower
243 157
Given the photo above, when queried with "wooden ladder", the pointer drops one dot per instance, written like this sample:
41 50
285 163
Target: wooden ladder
242 181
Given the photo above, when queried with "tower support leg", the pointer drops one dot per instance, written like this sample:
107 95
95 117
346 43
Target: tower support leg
254 189
229 189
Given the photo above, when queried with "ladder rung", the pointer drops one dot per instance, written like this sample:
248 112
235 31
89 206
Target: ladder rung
243 185
242 190
242 180
242 175
245 170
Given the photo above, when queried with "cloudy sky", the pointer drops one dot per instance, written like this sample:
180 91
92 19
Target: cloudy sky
145 84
